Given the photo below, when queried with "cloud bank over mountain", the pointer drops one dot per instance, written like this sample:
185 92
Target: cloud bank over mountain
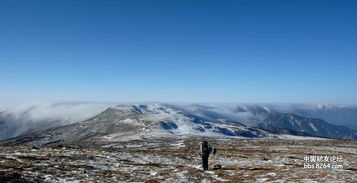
42 110
17 118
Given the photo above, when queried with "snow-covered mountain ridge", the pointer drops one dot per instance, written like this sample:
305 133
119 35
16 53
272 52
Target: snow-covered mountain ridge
133 122
155 120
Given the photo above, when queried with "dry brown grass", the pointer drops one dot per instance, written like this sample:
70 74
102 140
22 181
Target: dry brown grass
242 161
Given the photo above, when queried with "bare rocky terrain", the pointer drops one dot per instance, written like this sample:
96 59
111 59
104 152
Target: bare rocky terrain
177 160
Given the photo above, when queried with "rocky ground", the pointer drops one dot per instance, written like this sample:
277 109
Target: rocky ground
172 160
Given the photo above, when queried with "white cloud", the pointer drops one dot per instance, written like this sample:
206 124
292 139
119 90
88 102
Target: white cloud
56 111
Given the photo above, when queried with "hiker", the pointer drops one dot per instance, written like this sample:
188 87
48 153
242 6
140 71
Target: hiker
205 150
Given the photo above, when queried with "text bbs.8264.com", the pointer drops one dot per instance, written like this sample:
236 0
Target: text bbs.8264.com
323 162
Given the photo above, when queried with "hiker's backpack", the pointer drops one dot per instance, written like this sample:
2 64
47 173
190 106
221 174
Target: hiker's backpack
205 148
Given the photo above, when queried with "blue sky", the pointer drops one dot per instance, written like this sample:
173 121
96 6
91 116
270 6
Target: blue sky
179 51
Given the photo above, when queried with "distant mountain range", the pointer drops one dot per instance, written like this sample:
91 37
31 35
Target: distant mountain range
334 114
273 118
156 120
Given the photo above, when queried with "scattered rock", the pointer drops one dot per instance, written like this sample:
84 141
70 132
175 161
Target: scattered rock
216 167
